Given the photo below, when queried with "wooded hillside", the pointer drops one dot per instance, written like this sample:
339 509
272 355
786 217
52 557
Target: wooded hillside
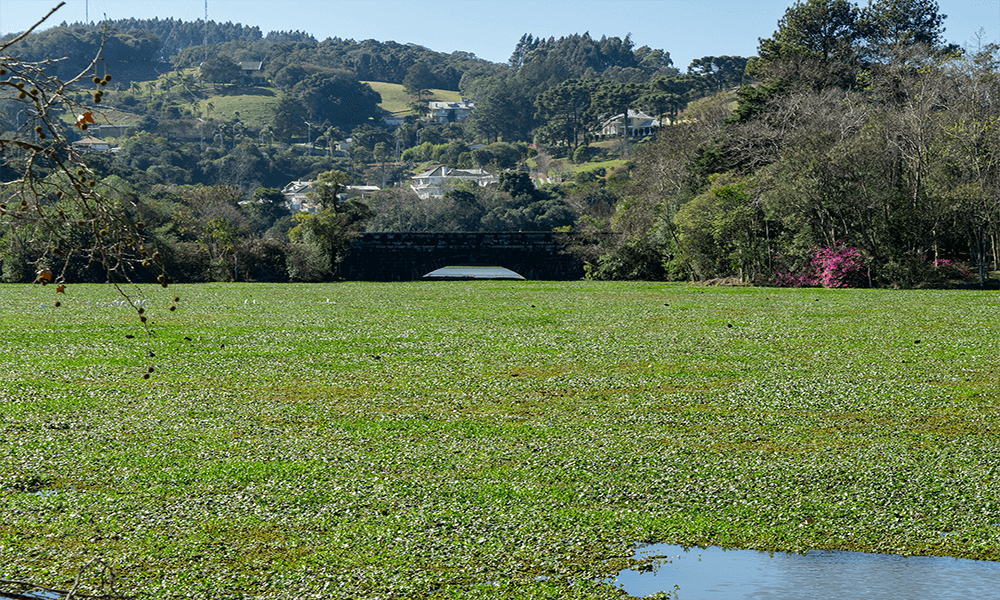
853 150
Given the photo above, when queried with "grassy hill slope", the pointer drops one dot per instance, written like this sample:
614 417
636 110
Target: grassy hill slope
255 104
395 99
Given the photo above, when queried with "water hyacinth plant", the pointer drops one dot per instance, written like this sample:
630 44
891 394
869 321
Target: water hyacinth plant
495 440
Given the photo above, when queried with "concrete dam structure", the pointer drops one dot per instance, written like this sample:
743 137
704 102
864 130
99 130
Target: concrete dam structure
409 256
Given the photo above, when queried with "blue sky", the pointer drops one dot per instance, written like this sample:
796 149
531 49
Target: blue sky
687 29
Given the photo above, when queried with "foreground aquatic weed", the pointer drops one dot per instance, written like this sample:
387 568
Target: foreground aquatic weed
96 569
446 440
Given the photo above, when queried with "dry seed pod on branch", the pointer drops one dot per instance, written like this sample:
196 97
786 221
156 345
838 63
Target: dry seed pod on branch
59 220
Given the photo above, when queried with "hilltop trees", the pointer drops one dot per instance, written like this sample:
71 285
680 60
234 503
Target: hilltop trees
219 69
56 217
888 23
866 138
418 80
322 101
814 46
720 72
339 99
545 89
821 43
76 46
565 112
861 132
503 112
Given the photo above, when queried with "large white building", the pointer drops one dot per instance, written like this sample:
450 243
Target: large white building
639 124
297 195
435 182
449 112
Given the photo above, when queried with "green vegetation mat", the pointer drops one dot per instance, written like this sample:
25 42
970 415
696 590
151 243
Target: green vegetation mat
487 439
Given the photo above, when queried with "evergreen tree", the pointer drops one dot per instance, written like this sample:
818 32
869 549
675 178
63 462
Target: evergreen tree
418 80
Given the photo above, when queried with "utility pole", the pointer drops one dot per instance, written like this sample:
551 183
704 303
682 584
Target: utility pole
205 44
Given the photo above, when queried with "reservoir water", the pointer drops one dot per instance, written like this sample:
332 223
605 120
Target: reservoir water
717 574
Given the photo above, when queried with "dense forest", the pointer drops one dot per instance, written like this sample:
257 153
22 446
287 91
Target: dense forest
856 148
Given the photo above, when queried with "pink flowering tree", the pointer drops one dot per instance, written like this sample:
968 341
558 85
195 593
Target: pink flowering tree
951 269
838 266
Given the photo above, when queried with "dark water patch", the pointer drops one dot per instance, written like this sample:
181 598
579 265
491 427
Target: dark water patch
718 574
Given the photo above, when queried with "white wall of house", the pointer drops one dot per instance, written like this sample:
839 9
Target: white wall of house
639 124
297 195
436 182
93 143
440 111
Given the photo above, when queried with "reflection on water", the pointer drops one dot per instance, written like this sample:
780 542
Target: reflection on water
717 574
35 594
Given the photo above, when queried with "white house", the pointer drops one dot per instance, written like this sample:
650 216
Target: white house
297 195
437 181
449 112
359 191
639 124
93 143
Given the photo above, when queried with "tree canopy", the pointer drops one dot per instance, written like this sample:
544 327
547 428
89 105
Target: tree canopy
219 69
854 130
337 98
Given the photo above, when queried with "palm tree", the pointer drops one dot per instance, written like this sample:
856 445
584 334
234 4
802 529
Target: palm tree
268 133
330 141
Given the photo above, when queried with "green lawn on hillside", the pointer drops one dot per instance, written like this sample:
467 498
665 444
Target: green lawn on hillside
255 105
487 439
562 169
396 100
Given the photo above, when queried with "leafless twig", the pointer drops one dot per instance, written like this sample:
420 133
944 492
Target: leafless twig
27 590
